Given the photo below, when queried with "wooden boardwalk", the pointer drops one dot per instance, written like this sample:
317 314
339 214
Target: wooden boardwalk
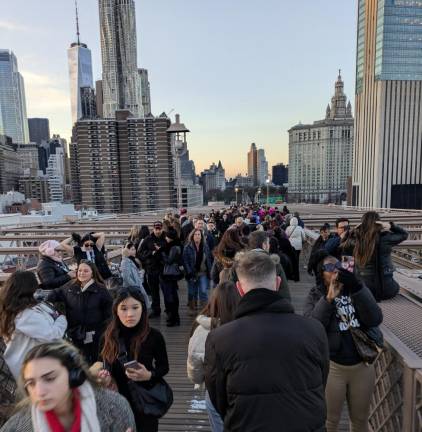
188 412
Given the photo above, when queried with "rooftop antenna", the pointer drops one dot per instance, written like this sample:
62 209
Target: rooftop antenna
77 21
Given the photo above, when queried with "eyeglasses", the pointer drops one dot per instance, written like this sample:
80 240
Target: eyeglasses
332 267
89 244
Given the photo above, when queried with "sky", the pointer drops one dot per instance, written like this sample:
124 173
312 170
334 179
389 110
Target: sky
237 71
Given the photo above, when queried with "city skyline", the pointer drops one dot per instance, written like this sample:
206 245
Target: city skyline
249 92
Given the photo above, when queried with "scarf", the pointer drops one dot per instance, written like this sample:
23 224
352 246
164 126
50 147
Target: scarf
89 418
87 285
54 422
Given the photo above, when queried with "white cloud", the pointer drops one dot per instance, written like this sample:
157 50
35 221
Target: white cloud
48 96
12 26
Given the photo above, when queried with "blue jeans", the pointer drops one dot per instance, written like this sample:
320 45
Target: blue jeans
199 285
216 422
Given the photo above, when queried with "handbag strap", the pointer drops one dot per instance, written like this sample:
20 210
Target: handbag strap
294 229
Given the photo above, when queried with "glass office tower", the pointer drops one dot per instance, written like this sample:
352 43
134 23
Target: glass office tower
80 76
14 121
387 168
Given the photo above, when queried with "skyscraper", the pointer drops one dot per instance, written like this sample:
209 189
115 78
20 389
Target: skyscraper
387 167
39 130
320 154
257 165
121 83
262 166
145 91
80 75
14 120
280 174
99 98
253 164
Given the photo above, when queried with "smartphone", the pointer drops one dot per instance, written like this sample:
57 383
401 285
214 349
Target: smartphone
131 365
348 263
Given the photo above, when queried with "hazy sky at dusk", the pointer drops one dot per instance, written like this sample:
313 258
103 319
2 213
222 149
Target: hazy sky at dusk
238 71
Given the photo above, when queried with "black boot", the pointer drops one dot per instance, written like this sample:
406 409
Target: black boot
173 319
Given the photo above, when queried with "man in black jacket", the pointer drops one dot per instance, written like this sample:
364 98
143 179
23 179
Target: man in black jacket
151 259
267 369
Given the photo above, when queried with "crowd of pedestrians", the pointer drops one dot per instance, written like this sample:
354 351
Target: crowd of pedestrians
264 367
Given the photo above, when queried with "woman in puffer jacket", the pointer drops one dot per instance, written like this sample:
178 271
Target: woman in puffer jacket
296 236
219 310
24 321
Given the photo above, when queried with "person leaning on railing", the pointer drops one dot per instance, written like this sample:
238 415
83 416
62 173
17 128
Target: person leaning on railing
90 247
52 270
374 241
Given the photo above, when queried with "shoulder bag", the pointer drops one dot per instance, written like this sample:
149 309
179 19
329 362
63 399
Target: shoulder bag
365 346
153 398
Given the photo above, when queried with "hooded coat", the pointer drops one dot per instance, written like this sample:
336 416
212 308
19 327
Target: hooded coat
267 369
295 234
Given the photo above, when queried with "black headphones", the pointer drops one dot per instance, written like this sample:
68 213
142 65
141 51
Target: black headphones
77 375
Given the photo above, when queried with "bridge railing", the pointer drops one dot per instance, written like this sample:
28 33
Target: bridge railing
396 404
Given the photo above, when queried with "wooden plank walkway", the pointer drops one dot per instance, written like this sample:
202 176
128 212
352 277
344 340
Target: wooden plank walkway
188 412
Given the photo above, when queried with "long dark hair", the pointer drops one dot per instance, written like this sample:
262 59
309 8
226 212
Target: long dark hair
229 244
366 237
110 352
95 273
222 305
144 232
16 295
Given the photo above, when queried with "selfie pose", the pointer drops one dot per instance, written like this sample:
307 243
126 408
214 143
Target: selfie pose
135 356
62 396
347 309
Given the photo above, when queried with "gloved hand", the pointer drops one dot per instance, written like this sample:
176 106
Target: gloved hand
349 281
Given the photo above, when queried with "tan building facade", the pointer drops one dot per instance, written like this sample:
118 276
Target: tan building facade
320 154
123 164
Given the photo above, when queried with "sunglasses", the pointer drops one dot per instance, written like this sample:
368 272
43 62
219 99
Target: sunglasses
332 267
89 244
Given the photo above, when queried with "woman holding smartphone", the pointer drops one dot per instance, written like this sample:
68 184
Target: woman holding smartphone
341 302
133 351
